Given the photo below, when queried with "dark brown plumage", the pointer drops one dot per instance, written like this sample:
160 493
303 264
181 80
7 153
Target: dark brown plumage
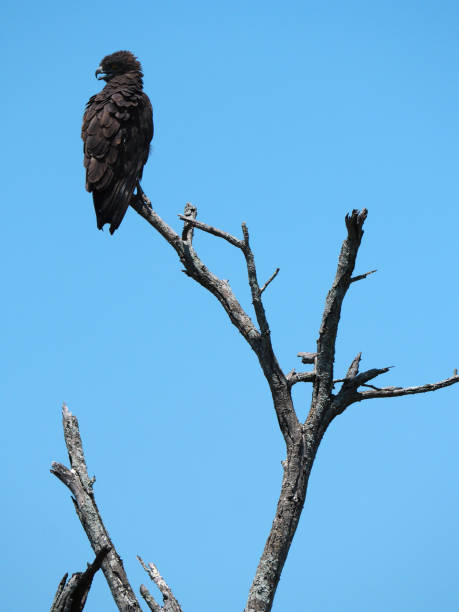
117 131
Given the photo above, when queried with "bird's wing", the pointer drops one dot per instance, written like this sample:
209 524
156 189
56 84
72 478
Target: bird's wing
103 142
117 129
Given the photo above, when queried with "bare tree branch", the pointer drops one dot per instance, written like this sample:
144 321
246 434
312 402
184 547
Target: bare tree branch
307 357
57 596
354 367
79 483
363 377
253 282
378 388
301 453
149 599
200 273
170 603
189 215
296 377
277 381
259 342
362 276
347 393
71 597
302 440
213 230
145 210
270 279
332 311
398 391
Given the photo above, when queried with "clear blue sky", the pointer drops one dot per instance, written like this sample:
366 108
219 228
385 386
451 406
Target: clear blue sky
286 116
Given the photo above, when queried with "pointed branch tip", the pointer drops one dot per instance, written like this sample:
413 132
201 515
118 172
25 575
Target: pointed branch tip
269 280
307 357
362 276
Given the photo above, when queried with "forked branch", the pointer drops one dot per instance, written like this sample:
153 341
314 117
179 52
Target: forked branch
170 603
77 480
71 596
81 486
258 339
399 391
302 439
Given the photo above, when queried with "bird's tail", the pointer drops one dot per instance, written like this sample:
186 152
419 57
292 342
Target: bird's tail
111 204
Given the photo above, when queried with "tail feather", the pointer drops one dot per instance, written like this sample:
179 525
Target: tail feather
111 204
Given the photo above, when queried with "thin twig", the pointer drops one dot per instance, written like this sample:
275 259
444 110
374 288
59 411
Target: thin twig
362 276
269 280
372 387
213 230
399 391
380 388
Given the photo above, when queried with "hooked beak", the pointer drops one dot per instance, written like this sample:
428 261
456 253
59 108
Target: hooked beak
99 71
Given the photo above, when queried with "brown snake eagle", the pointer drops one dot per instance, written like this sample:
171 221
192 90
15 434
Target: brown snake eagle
117 131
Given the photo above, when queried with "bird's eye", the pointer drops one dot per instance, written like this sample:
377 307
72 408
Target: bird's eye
114 66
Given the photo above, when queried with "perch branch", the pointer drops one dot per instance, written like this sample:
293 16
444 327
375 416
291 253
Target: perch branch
143 207
285 523
77 480
259 342
195 269
302 440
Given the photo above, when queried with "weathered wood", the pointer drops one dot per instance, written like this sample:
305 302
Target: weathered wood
302 439
170 602
81 486
71 596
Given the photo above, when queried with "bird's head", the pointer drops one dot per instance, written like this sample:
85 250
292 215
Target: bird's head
116 64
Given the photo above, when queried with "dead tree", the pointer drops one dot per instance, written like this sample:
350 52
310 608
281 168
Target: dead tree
302 439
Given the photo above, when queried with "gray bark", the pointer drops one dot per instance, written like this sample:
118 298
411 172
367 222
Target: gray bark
302 439
71 596
81 486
